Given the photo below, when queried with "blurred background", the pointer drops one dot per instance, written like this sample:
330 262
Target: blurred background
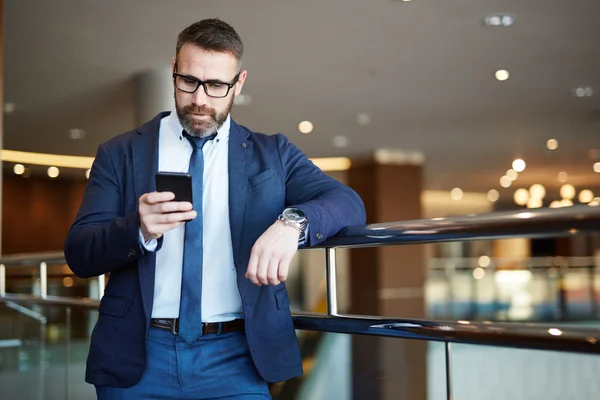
428 109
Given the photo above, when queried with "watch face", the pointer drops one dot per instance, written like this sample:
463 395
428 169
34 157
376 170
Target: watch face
293 215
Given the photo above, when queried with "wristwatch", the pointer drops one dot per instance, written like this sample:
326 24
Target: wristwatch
295 218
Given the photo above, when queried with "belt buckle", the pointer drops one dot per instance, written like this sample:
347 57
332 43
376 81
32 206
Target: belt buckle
175 326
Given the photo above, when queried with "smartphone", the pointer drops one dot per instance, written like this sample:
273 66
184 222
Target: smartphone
176 182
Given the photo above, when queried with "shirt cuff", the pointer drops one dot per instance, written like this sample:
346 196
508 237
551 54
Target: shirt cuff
150 245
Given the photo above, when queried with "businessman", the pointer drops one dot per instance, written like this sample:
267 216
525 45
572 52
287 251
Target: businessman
196 305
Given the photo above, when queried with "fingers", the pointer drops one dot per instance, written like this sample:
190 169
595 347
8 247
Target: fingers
273 272
271 255
171 207
264 264
284 268
267 268
251 272
174 217
156 197
159 213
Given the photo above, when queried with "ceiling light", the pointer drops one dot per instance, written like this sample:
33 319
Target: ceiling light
456 194
19 169
582 91
562 177
521 196
484 261
53 172
555 204
305 127
502 75
499 20
478 273
505 181
586 196
340 141
9 108
597 167
493 195
76 133
534 203
567 191
363 119
87 173
566 203
537 191
552 144
512 174
519 165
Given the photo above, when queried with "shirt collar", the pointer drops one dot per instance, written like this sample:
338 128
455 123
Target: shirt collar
177 129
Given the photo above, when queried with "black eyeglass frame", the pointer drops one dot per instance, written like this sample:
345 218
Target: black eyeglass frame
203 84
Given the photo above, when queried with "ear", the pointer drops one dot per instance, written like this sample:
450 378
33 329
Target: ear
240 82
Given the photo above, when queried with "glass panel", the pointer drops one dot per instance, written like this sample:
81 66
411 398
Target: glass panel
43 350
497 373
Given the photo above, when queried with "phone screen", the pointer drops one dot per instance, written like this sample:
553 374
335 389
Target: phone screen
178 183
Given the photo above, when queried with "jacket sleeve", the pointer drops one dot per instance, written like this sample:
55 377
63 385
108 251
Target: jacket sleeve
328 204
101 239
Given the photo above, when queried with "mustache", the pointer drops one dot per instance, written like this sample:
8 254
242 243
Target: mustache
203 110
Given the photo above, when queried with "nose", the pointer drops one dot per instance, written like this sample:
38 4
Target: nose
200 97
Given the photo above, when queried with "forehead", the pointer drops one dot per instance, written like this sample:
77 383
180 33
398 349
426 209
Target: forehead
204 64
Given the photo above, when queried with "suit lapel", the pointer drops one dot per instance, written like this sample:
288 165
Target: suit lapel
144 153
240 156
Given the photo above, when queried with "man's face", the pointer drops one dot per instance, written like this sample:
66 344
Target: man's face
199 114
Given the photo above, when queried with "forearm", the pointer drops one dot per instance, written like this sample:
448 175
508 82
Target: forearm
97 249
331 211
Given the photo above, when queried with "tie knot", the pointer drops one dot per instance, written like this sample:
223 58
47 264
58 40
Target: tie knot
198 142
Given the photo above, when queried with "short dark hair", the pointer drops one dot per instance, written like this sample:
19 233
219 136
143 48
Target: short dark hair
213 35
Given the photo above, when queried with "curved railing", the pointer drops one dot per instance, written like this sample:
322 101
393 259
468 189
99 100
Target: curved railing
530 223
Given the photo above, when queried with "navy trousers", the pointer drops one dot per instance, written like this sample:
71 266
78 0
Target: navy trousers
216 366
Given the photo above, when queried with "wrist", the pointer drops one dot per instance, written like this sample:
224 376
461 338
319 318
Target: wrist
295 218
289 225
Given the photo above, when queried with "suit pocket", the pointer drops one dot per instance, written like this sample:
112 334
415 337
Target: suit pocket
261 178
114 306
282 299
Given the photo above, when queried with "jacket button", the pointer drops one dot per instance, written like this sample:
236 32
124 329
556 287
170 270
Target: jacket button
131 253
319 236
244 145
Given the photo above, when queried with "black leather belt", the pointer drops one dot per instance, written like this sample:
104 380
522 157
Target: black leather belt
172 324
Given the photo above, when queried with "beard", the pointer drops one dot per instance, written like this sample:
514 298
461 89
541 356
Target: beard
205 127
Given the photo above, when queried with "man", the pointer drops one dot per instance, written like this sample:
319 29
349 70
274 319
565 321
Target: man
196 305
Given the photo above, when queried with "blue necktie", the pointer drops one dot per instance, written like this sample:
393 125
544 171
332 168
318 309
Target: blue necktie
190 318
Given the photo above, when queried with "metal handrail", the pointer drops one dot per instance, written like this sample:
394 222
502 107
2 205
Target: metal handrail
519 335
80 302
540 222
29 259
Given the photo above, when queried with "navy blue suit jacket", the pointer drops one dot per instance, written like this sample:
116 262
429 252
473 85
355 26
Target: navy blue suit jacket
266 174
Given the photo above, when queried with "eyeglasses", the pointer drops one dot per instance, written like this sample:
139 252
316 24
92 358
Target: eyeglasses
212 87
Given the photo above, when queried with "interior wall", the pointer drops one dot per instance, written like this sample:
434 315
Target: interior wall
37 212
